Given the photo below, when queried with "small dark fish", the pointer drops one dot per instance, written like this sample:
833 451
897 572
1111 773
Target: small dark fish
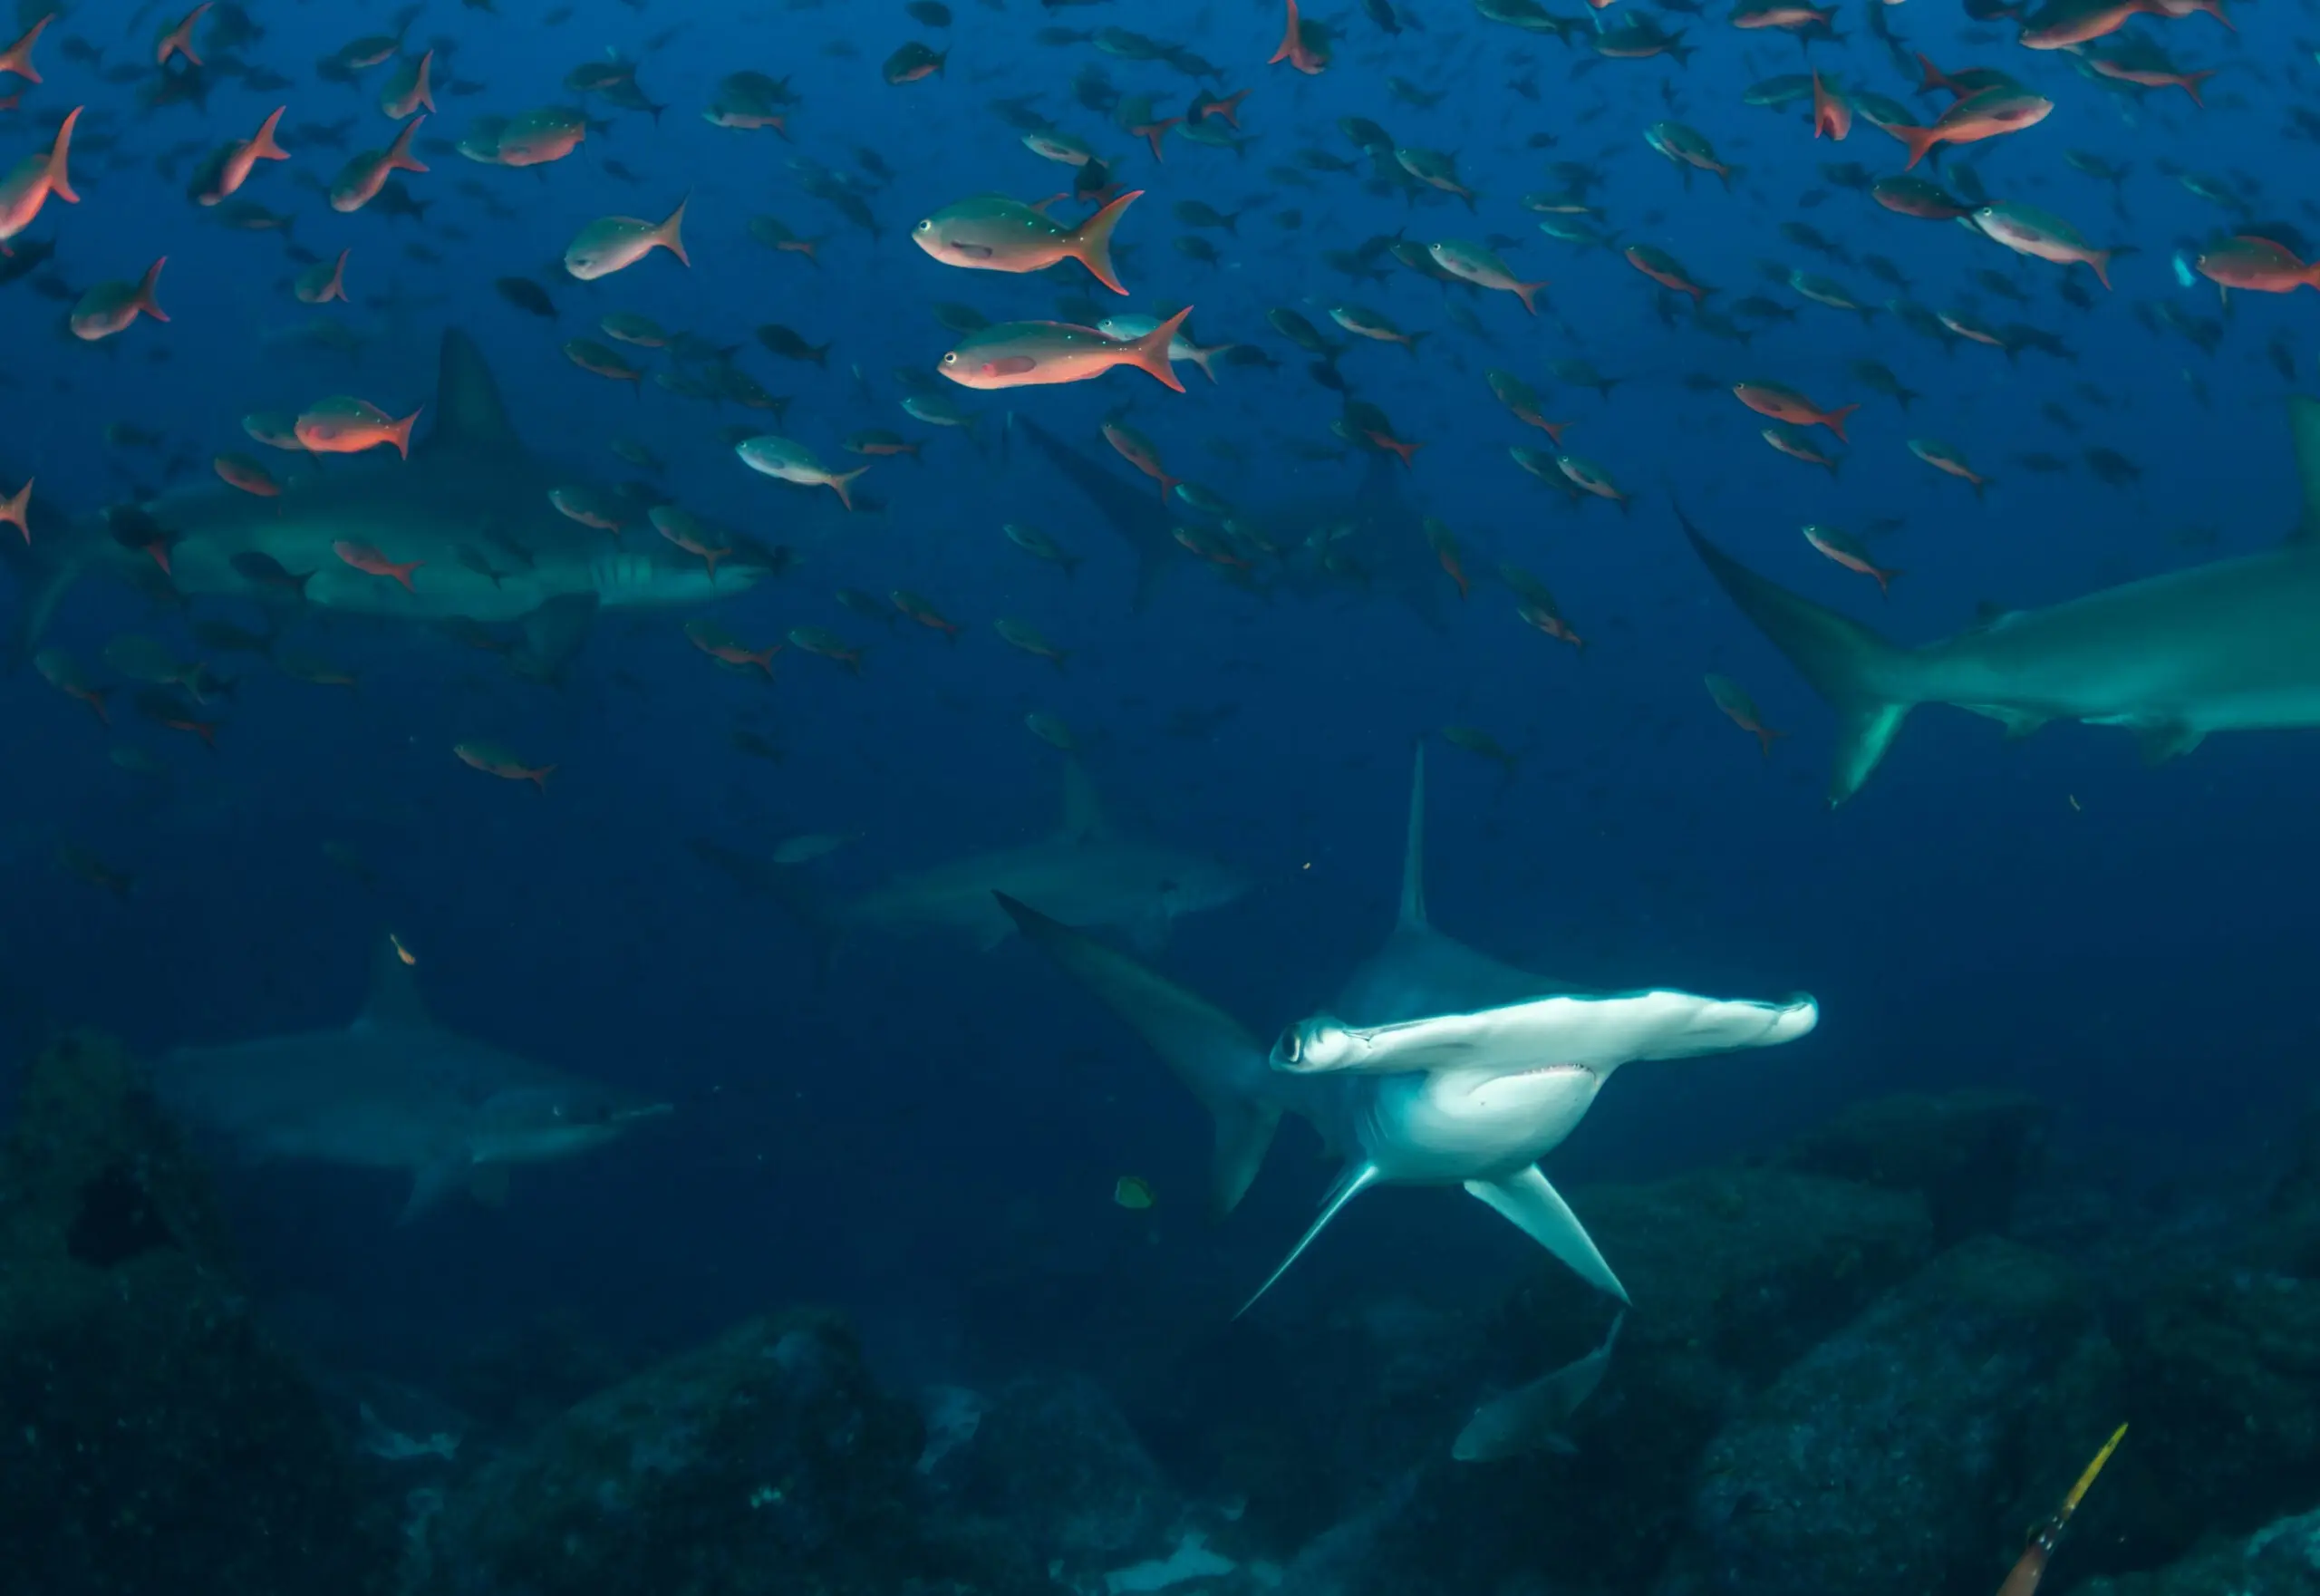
526 297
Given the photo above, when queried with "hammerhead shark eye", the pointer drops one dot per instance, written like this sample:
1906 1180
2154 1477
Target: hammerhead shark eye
1291 1047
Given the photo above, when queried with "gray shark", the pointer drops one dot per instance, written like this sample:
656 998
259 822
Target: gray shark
470 506
2227 646
1375 526
1487 1067
393 1090
1086 872
1531 1417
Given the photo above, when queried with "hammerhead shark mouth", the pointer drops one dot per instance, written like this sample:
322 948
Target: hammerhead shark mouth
1464 1072
2230 645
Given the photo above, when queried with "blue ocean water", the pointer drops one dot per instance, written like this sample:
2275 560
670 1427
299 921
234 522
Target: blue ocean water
919 1130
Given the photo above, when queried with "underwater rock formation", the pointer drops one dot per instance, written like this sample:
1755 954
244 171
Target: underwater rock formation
766 1461
1889 1456
1968 1153
155 1439
2282 1559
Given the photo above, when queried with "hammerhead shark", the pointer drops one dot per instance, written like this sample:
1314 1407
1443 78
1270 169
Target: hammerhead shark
393 1090
1448 1067
468 513
2232 645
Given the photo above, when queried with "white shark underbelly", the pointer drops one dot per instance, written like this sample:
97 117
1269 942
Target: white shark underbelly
1448 1127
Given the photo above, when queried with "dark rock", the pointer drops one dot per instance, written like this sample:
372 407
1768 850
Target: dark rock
1968 1153
768 1461
155 1439
2282 1559
1908 1451
1734 1274
2225 1364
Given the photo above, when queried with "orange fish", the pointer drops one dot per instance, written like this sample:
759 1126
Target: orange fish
1139 451
1794 445
2002 108
17 58
418 92
1783 403
1445 553
319 285
2261 266
16 511
370 561
109 307
238 471
1204 106
349 426
924 614
1017 355
178 40
1847 551
1551 623
361 179
32 179
689 532
1733 701
1831 112
1295 49
242 159
494 761
712 640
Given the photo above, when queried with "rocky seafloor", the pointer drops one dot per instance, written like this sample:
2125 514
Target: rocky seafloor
1868 1361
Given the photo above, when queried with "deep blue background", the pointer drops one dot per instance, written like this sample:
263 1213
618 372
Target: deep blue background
2133 943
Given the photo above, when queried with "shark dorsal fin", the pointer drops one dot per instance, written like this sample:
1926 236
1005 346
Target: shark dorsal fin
468 414
1083 811
2304 430
395 1002
1414 847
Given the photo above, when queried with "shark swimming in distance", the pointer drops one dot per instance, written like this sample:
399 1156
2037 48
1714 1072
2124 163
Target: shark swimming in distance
1088 872
469 510
394 1090
1447 1067
2231 645
1375 527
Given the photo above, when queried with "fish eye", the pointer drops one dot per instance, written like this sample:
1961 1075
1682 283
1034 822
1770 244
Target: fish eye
951 359
926 226
1291 1047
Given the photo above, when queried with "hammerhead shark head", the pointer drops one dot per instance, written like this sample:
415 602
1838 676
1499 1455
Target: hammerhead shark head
2231 645
1452 1069
469 511
393 1090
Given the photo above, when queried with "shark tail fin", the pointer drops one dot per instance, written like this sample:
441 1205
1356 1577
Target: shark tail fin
1414 847
1356 1180
1533 1207
1865 678
1209 1051
2304 423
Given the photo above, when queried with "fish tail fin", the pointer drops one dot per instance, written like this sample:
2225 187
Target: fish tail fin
18 57
2100 259
1288 40
1836 420
1150 352
1211 1052
670 234
1091 243
1865 678
842 481
16 510
263 144
398 155
145 300
1524 290
60 183
1921 142
400 433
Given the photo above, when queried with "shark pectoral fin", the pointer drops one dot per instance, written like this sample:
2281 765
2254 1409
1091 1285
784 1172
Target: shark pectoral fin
435 1180
1539 1212
394 1003
1243 1136
1356 1181
553 634
2161 740
1862 737
2018 723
